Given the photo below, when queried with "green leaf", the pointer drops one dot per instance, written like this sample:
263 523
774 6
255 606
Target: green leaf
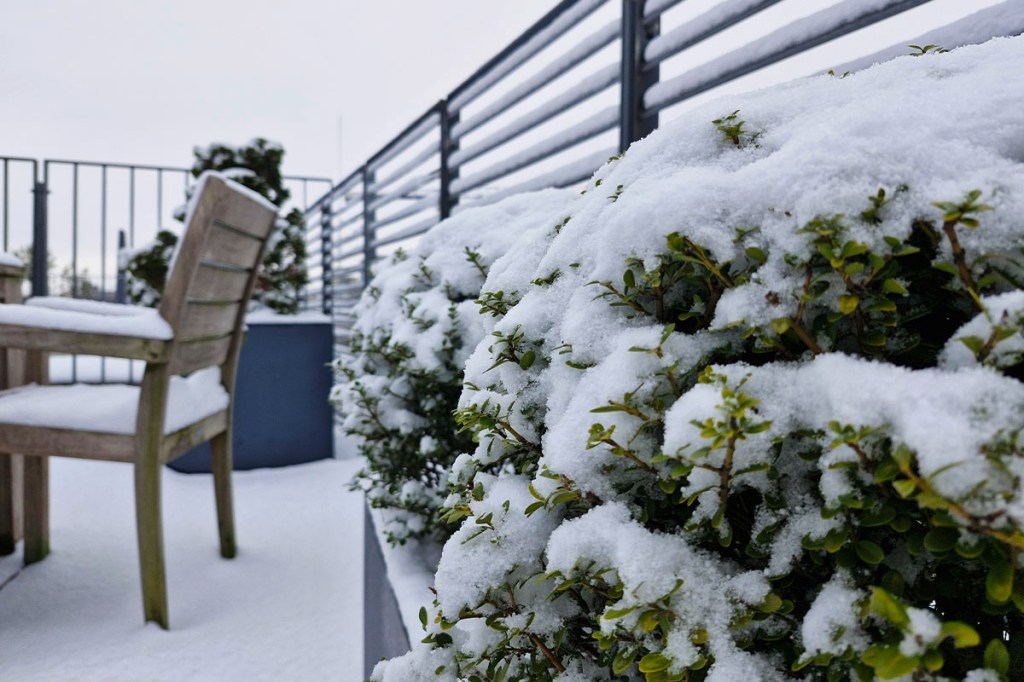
892 286
970 551
905 487
771 604
888 607
654 662
962 634
648 621
873 339
781 325
879 518
997 657
941 540
999 582
614 614
848 303
835 539
888 662
757 255
423 617
933 660
629 279
526 361
623 660
533 508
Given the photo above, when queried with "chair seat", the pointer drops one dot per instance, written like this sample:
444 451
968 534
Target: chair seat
111 408
97 317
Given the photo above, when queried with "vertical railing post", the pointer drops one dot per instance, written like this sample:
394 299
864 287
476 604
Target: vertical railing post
327 256
635 122
448 145
369 218
40 248
121 293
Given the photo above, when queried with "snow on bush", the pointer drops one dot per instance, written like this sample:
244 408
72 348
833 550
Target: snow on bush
753 410
400 384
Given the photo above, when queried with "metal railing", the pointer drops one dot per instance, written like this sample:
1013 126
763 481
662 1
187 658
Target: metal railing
70 219
603 71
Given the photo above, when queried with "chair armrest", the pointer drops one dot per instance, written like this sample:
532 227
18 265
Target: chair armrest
95 329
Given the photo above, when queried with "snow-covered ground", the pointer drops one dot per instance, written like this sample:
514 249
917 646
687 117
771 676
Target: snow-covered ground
288 608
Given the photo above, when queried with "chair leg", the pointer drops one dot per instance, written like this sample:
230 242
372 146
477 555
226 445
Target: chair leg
36 503
151 543
220 448
10 502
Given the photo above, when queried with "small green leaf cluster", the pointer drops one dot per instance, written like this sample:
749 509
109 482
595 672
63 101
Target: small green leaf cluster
921 50
732 129
407 459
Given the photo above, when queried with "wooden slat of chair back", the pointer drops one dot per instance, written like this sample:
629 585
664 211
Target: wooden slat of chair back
213 276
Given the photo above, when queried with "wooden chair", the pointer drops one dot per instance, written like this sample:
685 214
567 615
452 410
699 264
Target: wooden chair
12 373
197 331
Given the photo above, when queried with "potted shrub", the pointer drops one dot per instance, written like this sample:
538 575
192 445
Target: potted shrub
280 417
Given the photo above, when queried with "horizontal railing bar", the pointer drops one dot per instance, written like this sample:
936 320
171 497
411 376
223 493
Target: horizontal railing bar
582 91
411 164
345 240
125 166
801 35
344 184
701 28
347 254
1002 20
349 270
563 176
412 209
405 139
543 33
567 61
355 202
348 286
411 231
598 123
348 221
655 8
402 191
307 178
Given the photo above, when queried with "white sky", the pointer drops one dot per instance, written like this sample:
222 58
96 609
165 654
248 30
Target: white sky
144 81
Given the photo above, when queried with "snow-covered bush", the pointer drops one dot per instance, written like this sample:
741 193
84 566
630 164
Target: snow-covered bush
754 411
415 325
257 165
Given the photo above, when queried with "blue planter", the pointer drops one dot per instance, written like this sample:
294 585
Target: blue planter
282 416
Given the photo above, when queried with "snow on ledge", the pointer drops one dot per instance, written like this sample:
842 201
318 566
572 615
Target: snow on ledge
270 317
10 260
410 569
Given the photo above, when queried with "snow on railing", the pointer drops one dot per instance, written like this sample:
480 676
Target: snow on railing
715 20
800 35
542 112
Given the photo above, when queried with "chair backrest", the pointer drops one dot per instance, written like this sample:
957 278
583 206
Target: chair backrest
214 271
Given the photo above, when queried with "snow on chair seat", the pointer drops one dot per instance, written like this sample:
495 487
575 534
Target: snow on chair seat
112 408
190 346
97 317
